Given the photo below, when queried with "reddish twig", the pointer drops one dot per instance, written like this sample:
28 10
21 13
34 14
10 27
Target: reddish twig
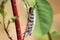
17 22
4 22
8 34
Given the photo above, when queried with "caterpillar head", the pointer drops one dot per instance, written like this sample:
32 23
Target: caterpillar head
30 10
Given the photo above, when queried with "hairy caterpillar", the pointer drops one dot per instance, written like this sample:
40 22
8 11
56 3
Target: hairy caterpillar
31 17
30 21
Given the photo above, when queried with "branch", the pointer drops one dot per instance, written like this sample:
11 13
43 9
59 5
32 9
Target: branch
17 22
3 15
49 36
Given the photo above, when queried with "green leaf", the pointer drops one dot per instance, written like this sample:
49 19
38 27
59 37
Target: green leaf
2 9
54 34
44 17
31 2
12 19
5 1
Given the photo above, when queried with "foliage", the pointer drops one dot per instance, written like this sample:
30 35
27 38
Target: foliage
44 17
2 12
5 1
31 2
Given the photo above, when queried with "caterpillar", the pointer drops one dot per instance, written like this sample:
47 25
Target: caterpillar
30 21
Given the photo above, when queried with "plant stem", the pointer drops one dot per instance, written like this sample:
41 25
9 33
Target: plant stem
25 3
6 29
3 15
24 35
49 36
17 22
8 34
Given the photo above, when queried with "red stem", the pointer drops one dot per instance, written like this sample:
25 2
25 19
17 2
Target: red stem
17 22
